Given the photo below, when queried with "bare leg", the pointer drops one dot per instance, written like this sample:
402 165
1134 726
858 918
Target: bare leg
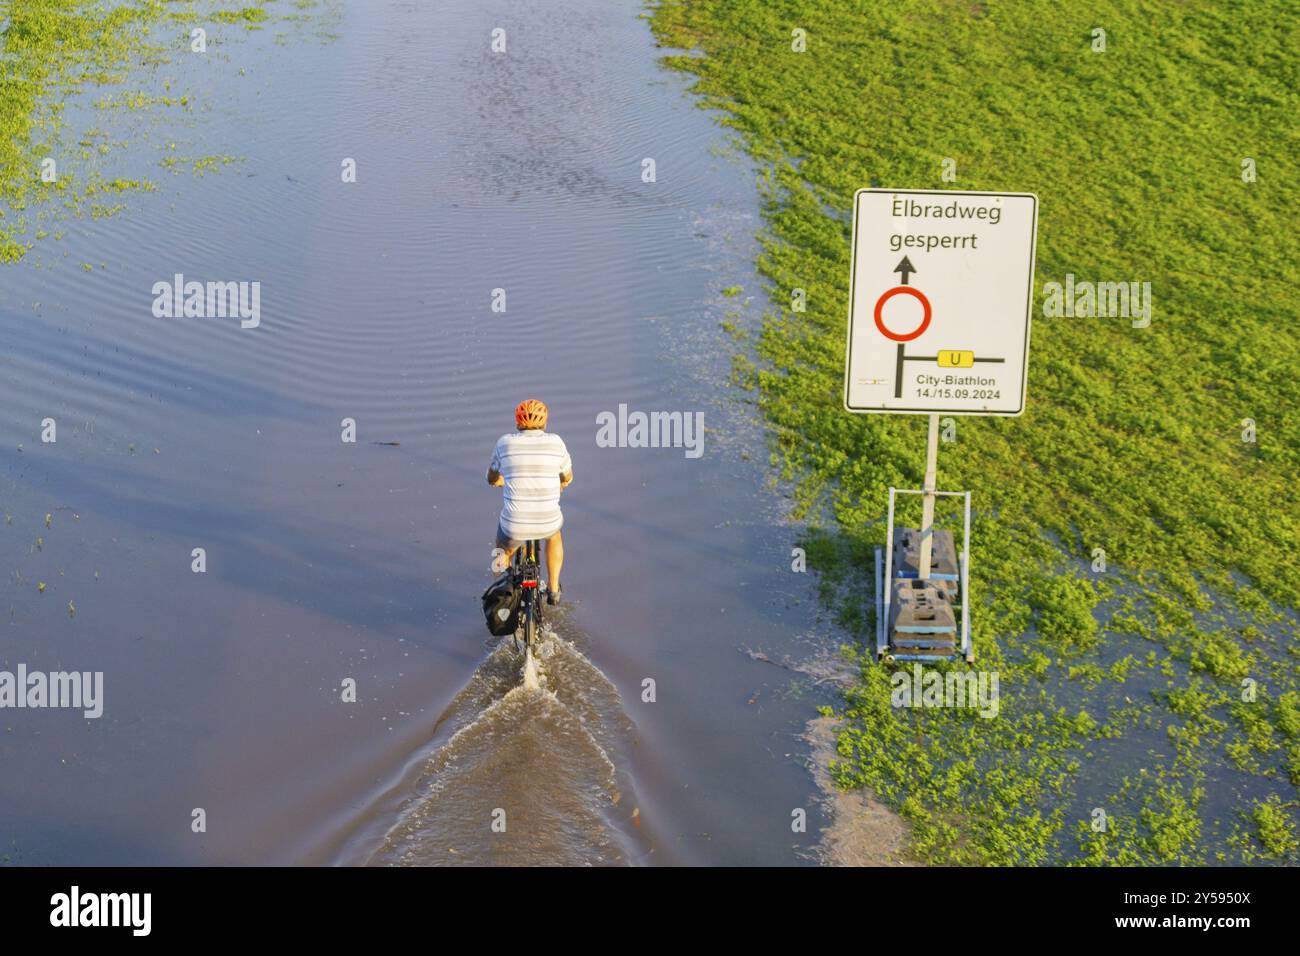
554 561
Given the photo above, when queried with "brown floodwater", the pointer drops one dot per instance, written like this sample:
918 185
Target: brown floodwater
328 561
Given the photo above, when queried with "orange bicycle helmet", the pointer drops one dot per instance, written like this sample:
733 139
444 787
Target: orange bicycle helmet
530 414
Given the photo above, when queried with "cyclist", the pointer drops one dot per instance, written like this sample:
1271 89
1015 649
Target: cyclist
533 466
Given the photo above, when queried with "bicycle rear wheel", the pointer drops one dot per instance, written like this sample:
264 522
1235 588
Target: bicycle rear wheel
531 625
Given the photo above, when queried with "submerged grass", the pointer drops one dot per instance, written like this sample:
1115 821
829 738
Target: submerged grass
1148 710
52 50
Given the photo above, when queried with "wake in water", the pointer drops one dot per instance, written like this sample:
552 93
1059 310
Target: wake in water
523 770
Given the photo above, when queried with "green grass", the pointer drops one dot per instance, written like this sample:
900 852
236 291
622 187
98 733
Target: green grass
56 49
244 15
1132 438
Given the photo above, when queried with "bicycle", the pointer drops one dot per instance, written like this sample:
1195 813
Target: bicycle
526 566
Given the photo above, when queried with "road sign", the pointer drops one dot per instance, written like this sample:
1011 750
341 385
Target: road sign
939 300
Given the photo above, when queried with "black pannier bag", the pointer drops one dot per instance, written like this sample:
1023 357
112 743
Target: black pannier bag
501 605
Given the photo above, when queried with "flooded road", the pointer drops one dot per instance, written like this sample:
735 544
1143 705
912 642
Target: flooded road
482 177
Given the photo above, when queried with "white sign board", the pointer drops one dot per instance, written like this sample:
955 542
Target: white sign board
939 301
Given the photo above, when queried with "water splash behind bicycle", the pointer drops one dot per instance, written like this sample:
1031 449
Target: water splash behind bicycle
524 768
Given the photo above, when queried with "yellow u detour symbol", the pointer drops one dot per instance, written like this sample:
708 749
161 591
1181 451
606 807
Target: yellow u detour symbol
956 358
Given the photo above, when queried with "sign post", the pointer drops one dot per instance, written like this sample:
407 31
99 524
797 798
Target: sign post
940 295
929 486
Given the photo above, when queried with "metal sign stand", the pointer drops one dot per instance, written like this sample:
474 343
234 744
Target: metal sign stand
885 574
885 577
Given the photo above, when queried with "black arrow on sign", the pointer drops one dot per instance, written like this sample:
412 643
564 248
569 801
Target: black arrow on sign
906 268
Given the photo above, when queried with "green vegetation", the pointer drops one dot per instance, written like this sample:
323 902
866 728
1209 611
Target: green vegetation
54 50
1124 691
1276 830
244 15
200 166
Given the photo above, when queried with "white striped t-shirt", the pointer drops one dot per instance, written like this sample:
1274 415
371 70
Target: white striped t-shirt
531 462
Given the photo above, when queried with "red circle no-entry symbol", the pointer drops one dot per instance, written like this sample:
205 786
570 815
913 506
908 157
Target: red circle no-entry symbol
925 318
